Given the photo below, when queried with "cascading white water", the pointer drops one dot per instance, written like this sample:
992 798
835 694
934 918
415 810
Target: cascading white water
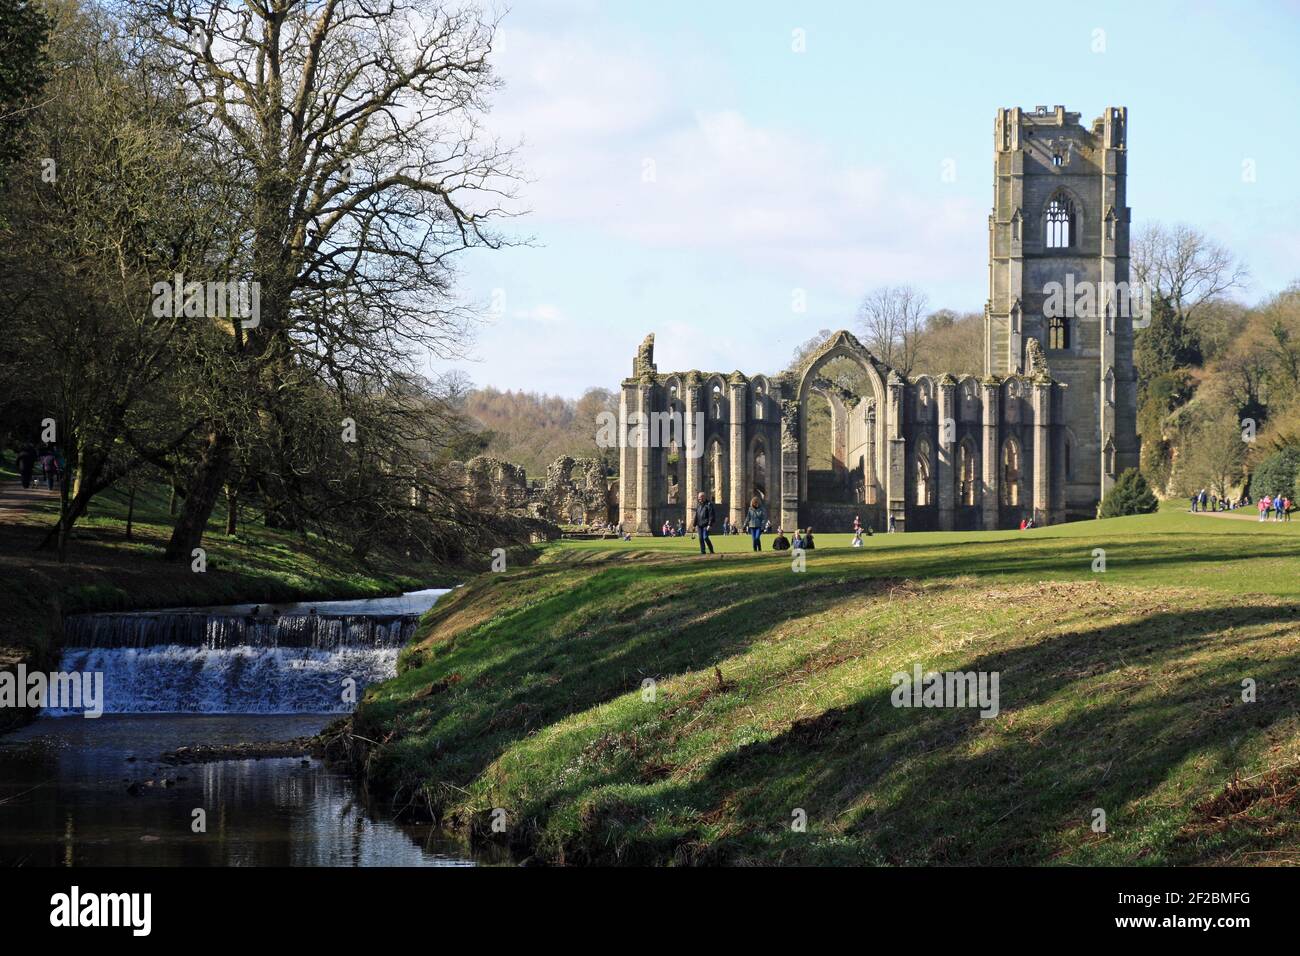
198 662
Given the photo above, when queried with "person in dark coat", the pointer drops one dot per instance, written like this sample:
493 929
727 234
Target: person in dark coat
26 462
704 521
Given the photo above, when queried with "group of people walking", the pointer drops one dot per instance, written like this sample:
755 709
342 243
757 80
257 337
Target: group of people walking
1204 500
756 523
1275 507
50 461
1270 507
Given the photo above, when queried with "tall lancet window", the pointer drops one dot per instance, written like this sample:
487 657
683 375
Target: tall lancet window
1059 222
1058 333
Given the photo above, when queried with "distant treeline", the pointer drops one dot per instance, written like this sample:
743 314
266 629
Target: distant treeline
532 429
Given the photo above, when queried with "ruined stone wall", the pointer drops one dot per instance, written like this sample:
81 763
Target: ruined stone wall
490 484
574 491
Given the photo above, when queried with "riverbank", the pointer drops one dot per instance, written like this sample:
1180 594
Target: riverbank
636 703
107 572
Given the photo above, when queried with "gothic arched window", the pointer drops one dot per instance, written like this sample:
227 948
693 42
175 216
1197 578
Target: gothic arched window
1011 473
966 479
672 466
715 474
759 470
1058 223
1058 333
923 474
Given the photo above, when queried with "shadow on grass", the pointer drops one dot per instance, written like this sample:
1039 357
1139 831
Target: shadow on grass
890 785
576 646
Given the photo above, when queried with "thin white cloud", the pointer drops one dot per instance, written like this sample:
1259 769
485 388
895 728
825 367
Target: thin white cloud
543 314
595 119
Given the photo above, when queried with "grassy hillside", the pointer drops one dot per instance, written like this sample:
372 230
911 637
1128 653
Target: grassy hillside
1119 690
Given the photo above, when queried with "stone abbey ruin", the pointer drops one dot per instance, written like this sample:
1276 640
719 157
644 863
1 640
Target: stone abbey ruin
1042 435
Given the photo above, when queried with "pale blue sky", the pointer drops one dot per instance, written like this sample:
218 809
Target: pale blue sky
821 171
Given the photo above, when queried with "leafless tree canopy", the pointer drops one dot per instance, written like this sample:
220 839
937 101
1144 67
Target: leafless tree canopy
356 127
892 321
1184 266
353 129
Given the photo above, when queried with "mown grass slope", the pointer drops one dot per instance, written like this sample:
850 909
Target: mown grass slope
771 700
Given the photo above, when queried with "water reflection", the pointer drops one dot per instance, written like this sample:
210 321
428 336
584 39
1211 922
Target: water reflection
64 800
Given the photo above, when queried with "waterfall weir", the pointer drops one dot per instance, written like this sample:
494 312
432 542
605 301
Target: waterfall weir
286 659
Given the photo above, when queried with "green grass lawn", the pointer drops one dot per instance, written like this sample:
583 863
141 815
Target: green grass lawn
1119 691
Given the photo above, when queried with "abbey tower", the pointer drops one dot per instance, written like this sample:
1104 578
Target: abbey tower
1060 217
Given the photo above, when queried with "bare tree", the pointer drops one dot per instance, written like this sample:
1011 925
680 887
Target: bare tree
892 320
1184 266
356 128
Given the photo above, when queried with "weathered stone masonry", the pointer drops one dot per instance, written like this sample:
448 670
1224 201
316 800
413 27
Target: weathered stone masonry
891 454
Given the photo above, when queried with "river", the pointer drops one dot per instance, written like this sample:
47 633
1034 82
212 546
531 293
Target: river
78 791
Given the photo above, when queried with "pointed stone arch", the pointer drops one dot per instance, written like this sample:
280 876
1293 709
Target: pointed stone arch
1061 220
760 398
794 490
967 474
716 400
1011 480
759 460
1069 453
923 480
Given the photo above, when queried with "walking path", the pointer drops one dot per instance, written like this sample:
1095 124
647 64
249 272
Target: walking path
17 503
1248 513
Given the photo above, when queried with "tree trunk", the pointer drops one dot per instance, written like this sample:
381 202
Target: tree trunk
171 504
130 509
65 525
78 477
232 510
89 484
201 498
